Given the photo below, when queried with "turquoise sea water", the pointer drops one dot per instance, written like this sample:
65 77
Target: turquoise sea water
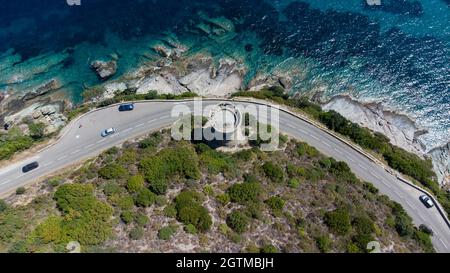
397 53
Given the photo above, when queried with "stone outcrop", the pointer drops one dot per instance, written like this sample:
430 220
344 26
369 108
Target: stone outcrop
49 114
162 83
103 69
401 130
113 88
209 80
44 89
441 162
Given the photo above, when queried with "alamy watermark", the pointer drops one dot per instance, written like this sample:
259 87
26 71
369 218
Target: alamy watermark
73 2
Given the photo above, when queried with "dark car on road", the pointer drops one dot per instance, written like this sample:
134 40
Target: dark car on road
30 167
426 200
126 107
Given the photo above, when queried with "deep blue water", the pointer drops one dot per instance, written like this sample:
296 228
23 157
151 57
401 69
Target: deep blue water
397 53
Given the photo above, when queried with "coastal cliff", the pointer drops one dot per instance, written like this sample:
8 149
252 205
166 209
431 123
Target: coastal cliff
401 130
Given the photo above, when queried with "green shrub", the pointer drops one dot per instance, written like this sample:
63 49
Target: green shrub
159 186
267 249
166 233
127 217
125 202
37 130
128 157
402 221
181 160
254 210
135 183
238 221
151 141
275 203
20 190
294 183
12 142
3 205
112 171
190 229
342 171
19 247
170 211
86 219
250 178
137 233
274 172
338 221
424 240
223 199
141 219
190 210
112 188
214 161
363 225
323 243
54 182
244 193
145 198
362 241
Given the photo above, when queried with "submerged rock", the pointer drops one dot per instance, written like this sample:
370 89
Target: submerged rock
104 70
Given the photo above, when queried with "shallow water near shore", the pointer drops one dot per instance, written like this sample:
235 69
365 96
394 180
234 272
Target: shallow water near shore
397 53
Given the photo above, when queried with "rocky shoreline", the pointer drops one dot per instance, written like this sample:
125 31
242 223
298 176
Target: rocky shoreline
401 130
173 69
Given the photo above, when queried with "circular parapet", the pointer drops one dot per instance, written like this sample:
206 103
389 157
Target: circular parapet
225 118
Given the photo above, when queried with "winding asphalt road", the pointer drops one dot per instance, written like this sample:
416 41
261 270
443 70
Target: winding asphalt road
77 144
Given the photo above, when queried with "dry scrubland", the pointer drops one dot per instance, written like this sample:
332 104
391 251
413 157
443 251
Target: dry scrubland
158 195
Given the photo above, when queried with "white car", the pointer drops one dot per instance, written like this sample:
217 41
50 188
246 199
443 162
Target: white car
427 201
108 132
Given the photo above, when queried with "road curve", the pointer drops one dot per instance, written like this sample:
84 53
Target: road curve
78 144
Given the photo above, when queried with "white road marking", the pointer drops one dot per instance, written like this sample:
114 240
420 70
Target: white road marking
100 141
150 121
313 136
77 136
326 143
89 146
291 126
362 167
443 243
127 130
162 118
48 164
5 182
62 157
139 125
409 204
75 152
374 175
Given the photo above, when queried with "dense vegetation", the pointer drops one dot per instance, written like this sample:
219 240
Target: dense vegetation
160 195
397 158
15 141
